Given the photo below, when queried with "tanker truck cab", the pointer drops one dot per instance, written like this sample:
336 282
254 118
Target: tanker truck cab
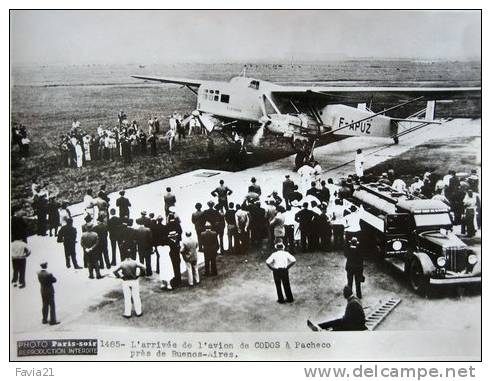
415 235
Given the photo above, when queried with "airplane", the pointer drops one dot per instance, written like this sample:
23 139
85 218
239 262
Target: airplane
309 113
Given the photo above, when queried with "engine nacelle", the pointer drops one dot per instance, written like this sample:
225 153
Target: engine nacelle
290 124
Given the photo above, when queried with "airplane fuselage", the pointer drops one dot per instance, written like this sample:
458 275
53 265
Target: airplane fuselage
246 99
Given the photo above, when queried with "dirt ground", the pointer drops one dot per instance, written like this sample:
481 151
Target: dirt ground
242 297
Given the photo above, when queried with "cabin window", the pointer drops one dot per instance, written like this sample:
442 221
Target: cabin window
254 85
216 98
225 98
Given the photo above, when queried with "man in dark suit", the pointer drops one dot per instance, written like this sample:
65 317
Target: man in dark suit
305 219
209 240
324 194
313 191
353 319
124 205
68 235
101 230
46 280
160 237
288 189
354 265
174 234
144 241
143 220
114 226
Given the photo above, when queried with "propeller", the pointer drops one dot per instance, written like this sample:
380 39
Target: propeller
186 120
265 120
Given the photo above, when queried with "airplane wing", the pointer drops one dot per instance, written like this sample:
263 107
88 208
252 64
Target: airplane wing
178 81
333 94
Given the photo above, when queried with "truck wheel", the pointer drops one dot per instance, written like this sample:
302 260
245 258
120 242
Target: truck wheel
418 280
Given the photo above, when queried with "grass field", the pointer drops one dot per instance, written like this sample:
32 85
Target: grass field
46 99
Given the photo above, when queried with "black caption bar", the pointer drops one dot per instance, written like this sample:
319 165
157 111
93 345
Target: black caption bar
53 347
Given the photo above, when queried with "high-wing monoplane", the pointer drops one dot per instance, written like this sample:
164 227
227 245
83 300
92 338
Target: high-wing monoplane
308 113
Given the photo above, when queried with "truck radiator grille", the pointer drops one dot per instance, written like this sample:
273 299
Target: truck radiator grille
456 259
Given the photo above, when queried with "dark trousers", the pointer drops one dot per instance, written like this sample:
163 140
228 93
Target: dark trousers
145 256
70 254
242 242
232 239
210 263
338 235
280 277
19 267
198 234
290 238
114 244
287 201
222 204
468 223
357 276
304 238
342 325
48 305
104 255
220 239
175 258
325 239
93 264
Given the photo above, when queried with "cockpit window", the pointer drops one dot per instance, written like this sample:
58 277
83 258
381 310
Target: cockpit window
254 85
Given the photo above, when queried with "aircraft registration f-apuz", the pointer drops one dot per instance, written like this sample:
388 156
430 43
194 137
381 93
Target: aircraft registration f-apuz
307 113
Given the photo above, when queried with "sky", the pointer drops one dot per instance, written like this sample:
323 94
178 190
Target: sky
146 37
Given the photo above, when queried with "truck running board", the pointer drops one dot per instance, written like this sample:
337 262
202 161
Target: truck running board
381 312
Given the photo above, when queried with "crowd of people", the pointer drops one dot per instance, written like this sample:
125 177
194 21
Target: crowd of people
125 140
319 218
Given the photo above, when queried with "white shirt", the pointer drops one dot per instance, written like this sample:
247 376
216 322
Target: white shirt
280 259
353 222
399 185
172 124
446 180
88 201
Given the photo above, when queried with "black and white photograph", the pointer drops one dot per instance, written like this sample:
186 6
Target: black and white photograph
245 185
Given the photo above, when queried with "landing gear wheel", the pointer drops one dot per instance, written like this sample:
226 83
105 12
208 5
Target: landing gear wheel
396 140
418 280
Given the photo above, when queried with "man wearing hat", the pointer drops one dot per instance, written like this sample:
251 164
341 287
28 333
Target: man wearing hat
143 219
353 319
209 240
90 243
288 188
280 262
305 218
101 230
144 241
124 205
114 226
46 280
254 188
354 265
68 235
